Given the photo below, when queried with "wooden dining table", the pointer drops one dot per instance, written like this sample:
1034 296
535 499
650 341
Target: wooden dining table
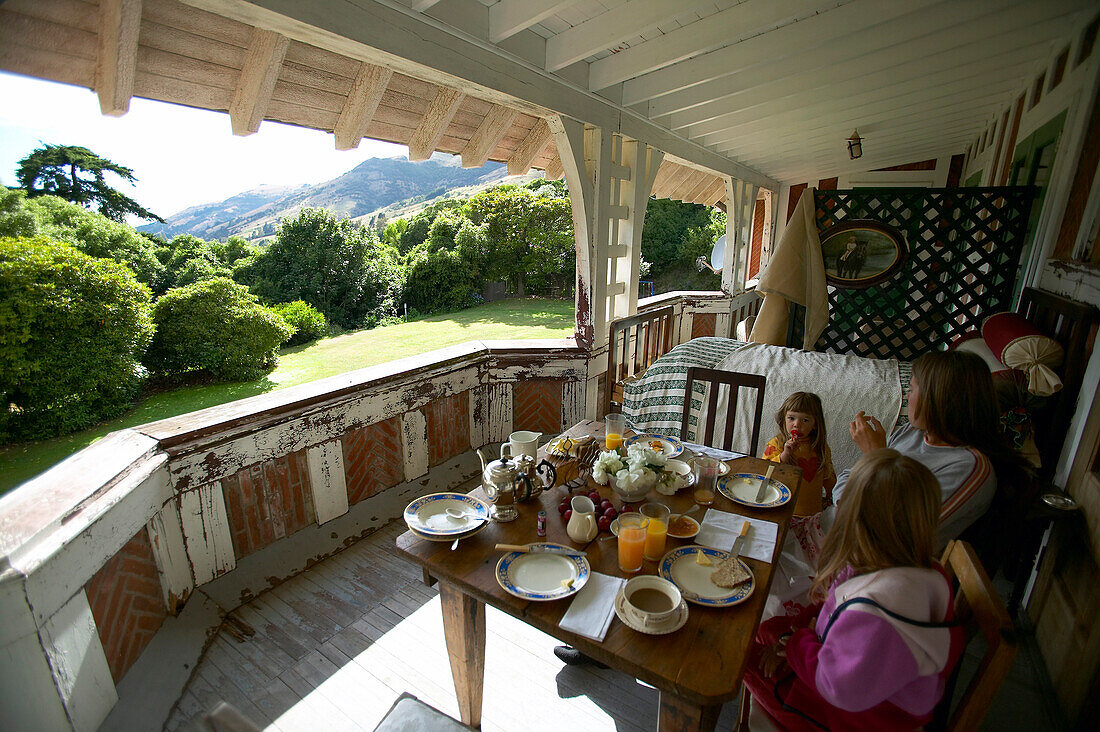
696 669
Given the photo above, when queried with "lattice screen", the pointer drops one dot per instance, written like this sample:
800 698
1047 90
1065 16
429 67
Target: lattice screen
964 256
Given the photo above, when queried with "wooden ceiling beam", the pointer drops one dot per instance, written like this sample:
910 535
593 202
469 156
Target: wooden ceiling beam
702 184
613 26
441 110
509 17
362 102
488 135
711 33
256 82
421 5
716 192
554 169
116 55
533 145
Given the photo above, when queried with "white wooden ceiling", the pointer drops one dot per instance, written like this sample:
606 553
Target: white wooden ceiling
762 90
778 85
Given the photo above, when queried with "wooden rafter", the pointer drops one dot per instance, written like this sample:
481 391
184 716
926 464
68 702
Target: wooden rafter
116 55
535 142
508 18
702 182
716 192
260 71
676 176
441 110
362 102
488 135
687 185
554 169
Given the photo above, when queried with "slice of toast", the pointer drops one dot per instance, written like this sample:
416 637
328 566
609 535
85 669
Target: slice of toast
729 573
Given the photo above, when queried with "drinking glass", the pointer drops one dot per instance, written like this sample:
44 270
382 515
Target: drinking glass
614 425
656 529
706 477
632 536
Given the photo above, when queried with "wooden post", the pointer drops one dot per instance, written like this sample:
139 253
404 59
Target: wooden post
464 628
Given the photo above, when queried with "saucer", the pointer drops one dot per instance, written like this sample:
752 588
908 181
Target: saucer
632 621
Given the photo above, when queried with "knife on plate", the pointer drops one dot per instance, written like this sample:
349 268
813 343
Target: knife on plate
533 549
764 484
739 542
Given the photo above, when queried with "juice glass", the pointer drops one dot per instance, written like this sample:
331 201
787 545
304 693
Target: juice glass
613 427
656 529
632 536
706 477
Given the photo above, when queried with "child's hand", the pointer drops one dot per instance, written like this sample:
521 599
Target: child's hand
867 432
787 456
774 658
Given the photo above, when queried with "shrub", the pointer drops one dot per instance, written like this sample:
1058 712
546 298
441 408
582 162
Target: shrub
215 327
439 281
308 322
72 328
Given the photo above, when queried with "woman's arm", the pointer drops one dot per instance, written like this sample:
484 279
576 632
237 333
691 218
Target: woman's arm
867 432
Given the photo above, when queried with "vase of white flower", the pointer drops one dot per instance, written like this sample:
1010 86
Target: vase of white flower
634 471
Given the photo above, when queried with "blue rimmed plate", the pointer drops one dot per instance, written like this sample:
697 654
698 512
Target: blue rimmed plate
743 487
681 568
542 576
427 515
670 446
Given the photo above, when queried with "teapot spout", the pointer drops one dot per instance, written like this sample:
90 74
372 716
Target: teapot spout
481 457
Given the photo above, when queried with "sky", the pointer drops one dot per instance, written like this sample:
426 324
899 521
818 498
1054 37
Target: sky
180 156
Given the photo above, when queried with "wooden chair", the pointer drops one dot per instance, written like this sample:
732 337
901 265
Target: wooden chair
634 344
734 380
981 610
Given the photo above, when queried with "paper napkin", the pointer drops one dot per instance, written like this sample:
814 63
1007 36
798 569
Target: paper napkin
592 608
713 452
720 528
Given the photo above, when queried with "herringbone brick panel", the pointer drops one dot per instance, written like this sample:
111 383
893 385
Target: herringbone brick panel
126 602
703 324
268 501
448 421
536 406
373 459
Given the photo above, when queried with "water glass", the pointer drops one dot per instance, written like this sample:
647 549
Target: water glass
656 529
706 478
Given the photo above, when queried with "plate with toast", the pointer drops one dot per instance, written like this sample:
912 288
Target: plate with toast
708 577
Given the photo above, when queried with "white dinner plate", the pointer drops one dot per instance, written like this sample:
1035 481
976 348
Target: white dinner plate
742 488
680 567
539 576
670 446
427 515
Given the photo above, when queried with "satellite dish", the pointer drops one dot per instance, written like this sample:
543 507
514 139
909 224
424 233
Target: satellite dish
718 254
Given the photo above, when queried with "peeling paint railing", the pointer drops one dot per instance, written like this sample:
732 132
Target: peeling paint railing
104 554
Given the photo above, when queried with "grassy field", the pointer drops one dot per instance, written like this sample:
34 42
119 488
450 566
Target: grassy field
506 319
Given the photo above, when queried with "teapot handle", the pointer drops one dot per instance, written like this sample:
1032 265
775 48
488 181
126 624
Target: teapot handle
508 446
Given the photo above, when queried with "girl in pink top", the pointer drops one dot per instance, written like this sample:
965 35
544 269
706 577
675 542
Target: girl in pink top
875 654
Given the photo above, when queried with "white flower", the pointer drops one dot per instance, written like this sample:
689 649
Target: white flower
607 463
635 479
669 482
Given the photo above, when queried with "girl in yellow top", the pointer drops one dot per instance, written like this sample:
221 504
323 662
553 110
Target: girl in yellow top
801 441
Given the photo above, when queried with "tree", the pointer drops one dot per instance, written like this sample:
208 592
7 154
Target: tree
334 265
72 328
79 175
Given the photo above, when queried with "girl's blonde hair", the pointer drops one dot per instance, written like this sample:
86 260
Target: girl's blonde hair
887 518
807 403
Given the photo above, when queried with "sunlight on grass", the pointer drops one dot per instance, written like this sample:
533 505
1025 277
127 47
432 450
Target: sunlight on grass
504 320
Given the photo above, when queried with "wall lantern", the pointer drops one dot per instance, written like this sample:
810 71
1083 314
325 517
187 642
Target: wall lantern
855 146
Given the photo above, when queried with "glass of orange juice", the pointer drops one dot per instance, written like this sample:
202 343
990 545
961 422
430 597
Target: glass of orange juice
613 427
656 529
632 540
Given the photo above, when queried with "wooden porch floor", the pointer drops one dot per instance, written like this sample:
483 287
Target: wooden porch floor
335 645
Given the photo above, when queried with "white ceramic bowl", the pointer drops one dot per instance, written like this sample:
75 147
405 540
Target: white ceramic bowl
631 496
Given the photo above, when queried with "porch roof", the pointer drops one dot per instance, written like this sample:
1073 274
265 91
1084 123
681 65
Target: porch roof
764 91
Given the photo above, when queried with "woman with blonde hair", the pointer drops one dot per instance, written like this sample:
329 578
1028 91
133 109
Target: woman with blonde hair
875 648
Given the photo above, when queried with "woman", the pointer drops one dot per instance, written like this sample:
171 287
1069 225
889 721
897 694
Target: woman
953 430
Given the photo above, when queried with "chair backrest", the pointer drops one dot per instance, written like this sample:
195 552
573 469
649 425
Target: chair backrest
981 610
634 344
735 381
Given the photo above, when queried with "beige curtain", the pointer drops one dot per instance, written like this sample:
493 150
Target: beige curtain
796 273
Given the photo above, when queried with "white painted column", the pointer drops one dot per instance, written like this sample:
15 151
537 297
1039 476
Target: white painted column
206 532
326 476
170 551
80 667
414 439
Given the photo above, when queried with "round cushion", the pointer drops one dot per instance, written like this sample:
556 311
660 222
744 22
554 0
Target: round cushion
1020 345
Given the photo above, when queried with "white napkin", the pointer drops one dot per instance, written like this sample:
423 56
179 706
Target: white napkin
592 608
720 528
713 452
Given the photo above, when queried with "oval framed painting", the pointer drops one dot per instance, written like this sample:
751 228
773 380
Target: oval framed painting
861 253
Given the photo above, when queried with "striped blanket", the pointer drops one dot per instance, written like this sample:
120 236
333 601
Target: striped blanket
655 402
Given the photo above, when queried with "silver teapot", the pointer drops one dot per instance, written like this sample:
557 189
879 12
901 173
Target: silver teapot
503 483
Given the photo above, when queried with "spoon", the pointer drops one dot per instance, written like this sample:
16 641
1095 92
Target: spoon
455 513
454 544
693 509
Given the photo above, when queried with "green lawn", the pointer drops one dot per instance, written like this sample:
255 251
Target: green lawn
507 319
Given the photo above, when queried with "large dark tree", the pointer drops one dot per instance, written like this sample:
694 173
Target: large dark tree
79 175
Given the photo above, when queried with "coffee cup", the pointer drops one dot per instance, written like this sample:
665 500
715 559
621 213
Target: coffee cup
653 600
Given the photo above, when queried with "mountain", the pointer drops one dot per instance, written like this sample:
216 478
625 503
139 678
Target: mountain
374 184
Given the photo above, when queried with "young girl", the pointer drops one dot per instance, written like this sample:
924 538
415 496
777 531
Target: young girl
801 441
883 642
